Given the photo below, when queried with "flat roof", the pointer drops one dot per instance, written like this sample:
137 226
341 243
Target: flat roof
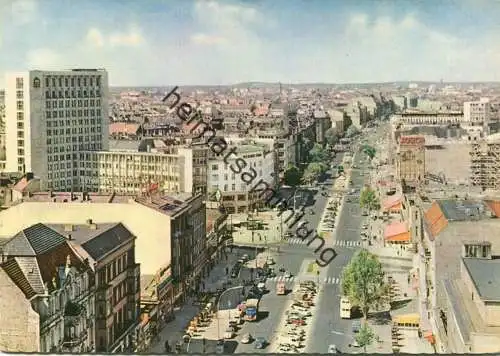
485 273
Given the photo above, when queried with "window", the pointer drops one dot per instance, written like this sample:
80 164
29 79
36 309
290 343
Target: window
19 83
215 167
20 105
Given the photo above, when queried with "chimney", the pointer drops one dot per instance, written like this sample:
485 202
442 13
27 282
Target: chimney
68 228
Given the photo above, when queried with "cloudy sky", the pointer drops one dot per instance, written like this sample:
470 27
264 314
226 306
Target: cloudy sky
167 42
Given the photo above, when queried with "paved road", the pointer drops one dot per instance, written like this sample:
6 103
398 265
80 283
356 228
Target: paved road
291 257
329 328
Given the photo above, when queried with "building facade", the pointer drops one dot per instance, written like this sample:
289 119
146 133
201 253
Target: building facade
110 247
52 116
410 162
58 286
234 183
476 113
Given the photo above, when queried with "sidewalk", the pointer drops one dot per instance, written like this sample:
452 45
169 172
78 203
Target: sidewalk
175 330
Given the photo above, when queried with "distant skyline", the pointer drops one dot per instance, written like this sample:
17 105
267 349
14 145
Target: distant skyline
159 43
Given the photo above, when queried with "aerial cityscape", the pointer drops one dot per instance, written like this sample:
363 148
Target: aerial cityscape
235 176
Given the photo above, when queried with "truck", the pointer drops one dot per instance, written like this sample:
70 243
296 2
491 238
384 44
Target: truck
251 309
345 308
280 288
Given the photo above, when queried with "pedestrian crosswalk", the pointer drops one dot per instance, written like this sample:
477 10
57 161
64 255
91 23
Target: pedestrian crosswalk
323 280
340 243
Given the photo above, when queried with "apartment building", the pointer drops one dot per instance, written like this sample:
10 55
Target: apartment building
477 113
429 118
485 163
170 229
233 185
472 309
52 116
447 225
110 249
47 291
410 159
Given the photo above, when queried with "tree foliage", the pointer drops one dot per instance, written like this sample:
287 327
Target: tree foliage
368 199
363 282
365 336
313 171
318 154
292 176
331 136
351 131
369 151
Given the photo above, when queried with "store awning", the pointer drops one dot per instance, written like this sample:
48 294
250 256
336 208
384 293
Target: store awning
397 232
412 319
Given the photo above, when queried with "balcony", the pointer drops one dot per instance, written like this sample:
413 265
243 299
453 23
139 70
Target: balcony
72 341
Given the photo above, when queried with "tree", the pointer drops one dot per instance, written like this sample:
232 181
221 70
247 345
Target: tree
318 154
292 175
363 282
368 199
331 136
313 171
369 151
351 131
365 336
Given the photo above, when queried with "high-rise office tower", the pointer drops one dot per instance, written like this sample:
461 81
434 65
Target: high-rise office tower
52 116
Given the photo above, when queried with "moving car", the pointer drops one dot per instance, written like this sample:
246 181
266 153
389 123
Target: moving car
246 339
260 343
356 325
219 348
332 349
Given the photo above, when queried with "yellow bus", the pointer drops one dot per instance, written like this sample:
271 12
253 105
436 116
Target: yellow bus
345 308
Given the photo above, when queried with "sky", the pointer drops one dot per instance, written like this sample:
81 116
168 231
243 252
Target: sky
216 42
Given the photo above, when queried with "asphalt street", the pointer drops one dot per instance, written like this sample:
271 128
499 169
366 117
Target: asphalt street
328 327
290 257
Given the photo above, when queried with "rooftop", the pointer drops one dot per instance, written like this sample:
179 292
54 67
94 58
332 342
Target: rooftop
485 274
96 239
463 210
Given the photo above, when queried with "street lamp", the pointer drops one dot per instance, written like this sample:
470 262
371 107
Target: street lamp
229 305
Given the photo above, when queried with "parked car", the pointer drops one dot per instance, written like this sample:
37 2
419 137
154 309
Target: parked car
332 349
270 261
229 333
288 274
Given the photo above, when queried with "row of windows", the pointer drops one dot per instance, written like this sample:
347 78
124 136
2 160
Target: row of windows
81 147
72 94
74 122
69 131
215 167
72 81
54 104
72 113
243 187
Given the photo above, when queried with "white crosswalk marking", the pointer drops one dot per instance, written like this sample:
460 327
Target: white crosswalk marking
325 280
344 243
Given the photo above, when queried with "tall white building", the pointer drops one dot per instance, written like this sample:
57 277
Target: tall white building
476 113
52 116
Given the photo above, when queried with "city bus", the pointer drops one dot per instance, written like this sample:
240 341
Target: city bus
345 308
